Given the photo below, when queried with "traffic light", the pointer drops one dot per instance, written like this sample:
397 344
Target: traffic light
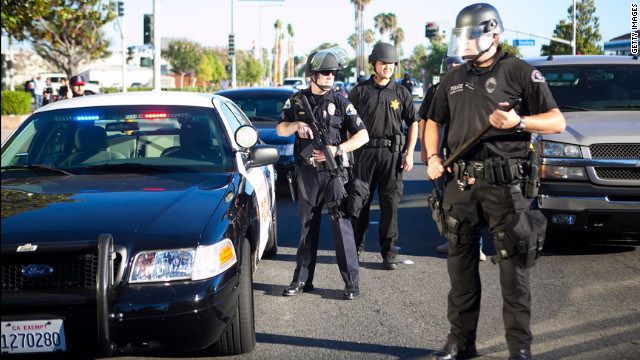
232 47
130 53
120 8
146 62
148 29
431 31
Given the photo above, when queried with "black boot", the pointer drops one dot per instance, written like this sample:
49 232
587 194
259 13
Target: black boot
454 352
296 288
351 291
522 354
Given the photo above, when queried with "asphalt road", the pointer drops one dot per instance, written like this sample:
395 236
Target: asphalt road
586 296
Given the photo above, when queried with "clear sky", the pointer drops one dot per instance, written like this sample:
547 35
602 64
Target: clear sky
208 22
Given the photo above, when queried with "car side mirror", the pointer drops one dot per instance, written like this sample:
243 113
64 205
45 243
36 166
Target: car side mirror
261 155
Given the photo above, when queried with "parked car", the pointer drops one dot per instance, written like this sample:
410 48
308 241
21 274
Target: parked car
133 223
263 106
297 83
591 172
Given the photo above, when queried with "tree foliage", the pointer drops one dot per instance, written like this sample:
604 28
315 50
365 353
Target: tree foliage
508 48
66 33
183 56
587 32
249 69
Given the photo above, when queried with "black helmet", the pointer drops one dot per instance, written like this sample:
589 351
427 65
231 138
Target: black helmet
478 23
335 58
448 62
406 73
384 52
307 68
484 15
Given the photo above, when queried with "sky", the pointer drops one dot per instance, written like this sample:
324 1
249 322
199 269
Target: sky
208 22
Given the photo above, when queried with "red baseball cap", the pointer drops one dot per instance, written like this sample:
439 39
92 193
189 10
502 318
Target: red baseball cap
77 80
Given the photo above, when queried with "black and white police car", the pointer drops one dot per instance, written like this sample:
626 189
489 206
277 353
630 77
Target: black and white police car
134 222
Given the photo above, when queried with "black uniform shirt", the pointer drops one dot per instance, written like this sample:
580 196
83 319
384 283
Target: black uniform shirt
334 110
426 102
383 108
467 96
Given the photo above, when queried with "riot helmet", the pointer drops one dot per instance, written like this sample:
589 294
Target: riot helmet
333 59
383 52
473 34
307 69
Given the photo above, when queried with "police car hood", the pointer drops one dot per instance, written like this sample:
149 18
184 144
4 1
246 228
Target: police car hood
67 208
597 127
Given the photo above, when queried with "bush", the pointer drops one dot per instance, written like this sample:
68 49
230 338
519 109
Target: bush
15 102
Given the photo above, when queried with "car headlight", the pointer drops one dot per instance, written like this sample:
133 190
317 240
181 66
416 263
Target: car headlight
285 150
553 172
560 150
182 264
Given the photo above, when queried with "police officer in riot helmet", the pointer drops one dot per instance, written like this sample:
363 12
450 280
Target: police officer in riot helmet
494 181
316 185
384 105
406 82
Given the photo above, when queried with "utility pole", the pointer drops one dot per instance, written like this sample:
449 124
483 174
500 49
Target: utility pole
120 19
157 51
233 55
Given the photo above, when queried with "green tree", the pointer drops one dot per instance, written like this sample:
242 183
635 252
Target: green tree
65 33
359 6
211 69
249 69
183 56
511 49
587 32
385 22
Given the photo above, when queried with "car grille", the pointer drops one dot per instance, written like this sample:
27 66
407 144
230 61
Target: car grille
610 173
75 270
615 151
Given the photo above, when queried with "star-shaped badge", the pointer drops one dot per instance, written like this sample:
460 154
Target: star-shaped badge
395 104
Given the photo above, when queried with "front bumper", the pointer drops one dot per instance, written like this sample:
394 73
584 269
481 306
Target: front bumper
593 207
120 319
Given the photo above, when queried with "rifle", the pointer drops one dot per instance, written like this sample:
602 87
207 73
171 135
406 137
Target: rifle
321 141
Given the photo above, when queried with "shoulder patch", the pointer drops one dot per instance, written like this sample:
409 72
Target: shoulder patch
287 105
351 110
536 76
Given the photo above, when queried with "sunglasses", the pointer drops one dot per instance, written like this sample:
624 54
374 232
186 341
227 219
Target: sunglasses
329 72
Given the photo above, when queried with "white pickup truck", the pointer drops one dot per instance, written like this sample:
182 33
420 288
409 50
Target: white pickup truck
590 173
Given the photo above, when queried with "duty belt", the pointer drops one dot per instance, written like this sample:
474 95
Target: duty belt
395 143
496 171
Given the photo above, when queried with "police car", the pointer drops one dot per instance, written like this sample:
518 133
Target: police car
134 222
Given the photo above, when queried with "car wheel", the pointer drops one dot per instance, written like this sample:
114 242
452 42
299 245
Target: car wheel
272 244
240 336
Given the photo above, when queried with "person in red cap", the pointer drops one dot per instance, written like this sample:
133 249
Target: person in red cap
77 86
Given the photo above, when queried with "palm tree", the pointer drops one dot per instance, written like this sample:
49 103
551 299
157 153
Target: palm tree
359 6
278 27
369 38
290 52
385 22
354 42
397 36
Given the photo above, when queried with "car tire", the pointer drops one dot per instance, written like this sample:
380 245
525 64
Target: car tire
272 244
240 336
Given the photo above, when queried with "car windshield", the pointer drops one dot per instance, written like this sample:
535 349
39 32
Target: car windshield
260 107
594 87
291 82
120 138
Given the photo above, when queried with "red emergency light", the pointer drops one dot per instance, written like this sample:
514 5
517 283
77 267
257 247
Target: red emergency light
154 116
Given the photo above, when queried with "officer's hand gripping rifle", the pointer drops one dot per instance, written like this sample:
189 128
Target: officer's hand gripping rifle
321 141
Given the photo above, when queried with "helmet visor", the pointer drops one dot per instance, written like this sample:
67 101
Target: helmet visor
339 53
468 42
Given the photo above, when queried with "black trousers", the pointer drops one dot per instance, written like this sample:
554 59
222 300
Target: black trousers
380 168
310 211
481 204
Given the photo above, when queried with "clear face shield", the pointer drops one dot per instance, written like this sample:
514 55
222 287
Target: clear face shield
340 54
469 42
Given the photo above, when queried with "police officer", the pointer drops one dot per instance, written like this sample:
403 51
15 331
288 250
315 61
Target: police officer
406 82
469 97
77 86
383 104
316 185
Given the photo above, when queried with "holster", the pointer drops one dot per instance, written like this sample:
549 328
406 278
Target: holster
524 236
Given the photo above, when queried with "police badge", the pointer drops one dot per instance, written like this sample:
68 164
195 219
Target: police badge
331 109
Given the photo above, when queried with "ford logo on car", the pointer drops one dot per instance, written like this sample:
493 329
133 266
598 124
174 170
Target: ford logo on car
37 270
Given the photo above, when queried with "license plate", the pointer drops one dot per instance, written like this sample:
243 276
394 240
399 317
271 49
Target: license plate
33 336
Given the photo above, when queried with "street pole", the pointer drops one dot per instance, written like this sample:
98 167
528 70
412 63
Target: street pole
233 57
156 46
573 41
124 53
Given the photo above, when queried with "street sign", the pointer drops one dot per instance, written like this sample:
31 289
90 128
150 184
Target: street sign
143 47
524 42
